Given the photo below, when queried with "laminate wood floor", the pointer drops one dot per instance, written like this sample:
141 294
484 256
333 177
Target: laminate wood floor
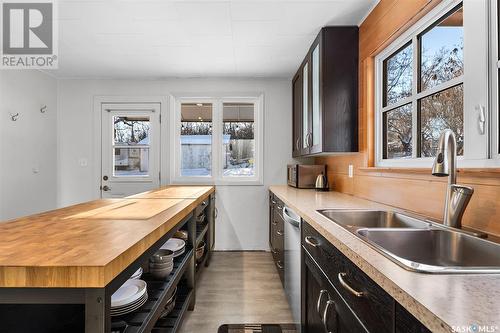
238 287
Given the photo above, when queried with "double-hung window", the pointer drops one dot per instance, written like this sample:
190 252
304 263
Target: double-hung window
218 140
435 77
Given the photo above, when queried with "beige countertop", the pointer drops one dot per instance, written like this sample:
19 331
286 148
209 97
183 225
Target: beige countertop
441 302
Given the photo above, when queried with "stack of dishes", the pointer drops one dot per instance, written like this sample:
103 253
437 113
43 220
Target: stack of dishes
129 297
176 245
161 263
170 304
137 274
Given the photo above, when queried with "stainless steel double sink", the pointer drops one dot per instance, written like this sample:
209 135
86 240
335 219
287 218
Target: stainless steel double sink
417 244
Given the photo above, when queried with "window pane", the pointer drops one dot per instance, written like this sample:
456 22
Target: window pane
238 139
196 139
131 130
438 112
398 132
398 75
442 51
131 161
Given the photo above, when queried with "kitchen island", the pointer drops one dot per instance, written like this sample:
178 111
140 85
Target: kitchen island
77 257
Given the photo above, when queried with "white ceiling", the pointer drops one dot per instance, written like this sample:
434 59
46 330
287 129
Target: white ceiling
204 38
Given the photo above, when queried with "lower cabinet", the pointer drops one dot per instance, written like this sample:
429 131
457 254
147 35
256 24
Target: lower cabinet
324 309
339 297
277 234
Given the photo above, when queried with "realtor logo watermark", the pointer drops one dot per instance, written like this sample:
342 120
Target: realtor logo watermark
28 35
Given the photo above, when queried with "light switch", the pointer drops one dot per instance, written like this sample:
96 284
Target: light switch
351 171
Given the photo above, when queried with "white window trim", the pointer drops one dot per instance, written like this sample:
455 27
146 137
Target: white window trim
476 159
217 101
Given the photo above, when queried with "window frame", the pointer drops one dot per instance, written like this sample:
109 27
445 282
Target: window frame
412 35
217 177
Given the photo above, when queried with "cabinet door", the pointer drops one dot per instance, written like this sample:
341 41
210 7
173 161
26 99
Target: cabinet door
297 113
316 133
325 310
306 108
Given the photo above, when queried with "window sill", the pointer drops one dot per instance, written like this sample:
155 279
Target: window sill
470 172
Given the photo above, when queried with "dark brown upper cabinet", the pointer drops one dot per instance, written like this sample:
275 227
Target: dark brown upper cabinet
325 95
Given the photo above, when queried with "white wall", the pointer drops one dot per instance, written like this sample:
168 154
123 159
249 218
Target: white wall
28 160
243 220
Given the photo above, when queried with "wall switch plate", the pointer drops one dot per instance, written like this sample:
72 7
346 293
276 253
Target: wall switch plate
351 171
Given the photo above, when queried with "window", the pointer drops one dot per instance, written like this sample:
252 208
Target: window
219 140
196 139
238 139
131 145
421 88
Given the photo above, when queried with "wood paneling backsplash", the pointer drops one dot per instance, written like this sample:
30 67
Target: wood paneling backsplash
412 189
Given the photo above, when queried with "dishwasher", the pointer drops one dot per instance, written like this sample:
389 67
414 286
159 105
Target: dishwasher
292 263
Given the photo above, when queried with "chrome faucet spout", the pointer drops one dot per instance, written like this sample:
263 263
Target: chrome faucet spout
446 157
445 165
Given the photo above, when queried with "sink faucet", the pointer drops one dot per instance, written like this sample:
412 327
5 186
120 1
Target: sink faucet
445 164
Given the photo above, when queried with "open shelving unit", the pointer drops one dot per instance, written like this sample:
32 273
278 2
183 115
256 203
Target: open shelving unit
159 291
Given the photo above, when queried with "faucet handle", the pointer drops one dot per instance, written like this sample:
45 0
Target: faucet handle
458 200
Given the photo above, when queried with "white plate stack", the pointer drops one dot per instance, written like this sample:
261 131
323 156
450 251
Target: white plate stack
176 245
129 297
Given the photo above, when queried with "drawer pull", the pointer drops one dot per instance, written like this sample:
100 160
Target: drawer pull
325 316
347 286
275 222
273 202
279 264
312 241
280 232
279 207
320 298
273 251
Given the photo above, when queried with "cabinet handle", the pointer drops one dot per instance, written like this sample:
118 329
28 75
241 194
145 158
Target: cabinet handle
309 140
275 222
279 207
203 203
273 251
346 286
273 202
320 298
280 232
297 144
311 241
325 314
279 264
216 212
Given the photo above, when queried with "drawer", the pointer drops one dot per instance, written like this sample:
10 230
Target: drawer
373 306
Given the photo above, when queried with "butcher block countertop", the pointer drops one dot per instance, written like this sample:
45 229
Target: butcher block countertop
444 303
89 244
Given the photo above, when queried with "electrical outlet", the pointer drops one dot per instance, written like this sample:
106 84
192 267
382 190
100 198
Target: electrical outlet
351 171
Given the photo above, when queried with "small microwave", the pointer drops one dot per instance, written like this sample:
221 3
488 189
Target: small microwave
303 176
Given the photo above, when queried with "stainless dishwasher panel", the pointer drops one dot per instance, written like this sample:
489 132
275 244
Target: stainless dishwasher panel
292 263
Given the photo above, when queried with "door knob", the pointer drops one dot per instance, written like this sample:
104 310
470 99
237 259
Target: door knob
105 188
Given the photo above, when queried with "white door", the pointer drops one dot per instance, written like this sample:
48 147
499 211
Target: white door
130 161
